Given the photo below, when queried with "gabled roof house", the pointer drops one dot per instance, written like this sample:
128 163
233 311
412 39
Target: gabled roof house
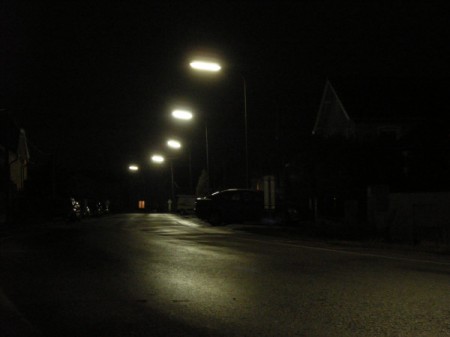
13 152
369 109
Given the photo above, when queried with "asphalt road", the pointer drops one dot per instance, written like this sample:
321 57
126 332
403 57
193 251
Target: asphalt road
163 275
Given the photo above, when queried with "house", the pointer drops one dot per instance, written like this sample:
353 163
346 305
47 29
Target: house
387 138
370 110
402 123
14 158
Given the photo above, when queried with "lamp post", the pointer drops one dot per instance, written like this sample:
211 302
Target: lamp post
246 131
160 159
134 188
175 145
214 67
187 116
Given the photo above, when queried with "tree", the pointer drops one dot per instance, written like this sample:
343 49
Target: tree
202 188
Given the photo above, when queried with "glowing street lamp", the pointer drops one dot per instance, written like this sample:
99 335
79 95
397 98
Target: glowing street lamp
133 168
205 66
174 144
215 67
187 115
157 158
182 114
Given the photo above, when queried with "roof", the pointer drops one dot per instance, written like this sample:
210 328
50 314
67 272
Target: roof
393 99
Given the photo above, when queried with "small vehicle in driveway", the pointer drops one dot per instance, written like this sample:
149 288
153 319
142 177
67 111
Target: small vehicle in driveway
233 205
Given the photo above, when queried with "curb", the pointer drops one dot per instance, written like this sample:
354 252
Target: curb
288 233
13 323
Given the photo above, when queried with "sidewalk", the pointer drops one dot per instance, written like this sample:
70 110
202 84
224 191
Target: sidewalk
13 323
306 236
308 232
22 228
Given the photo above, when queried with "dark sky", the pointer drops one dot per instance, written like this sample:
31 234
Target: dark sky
96 82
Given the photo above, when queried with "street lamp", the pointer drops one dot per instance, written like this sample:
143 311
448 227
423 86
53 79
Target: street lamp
174 144
182 114
134 188
207 66
159 159
187 115
133 168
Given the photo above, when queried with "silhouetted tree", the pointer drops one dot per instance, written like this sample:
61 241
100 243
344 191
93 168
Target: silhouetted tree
202 188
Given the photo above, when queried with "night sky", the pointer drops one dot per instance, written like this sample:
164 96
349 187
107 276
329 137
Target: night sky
96 83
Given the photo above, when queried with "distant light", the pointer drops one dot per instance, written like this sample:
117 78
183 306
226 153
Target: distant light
205 66
157 158
174 144
133 168
182 114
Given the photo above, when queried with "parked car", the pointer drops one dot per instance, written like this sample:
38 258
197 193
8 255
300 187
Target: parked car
232 205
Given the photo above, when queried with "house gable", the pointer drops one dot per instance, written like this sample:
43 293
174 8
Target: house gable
332 118
14 151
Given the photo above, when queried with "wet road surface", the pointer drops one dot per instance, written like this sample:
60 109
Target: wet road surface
163 275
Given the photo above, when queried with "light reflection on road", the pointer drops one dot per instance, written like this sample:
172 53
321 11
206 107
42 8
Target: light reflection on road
192 222
244 284
199 281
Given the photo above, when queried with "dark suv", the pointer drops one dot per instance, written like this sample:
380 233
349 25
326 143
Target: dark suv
233 205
